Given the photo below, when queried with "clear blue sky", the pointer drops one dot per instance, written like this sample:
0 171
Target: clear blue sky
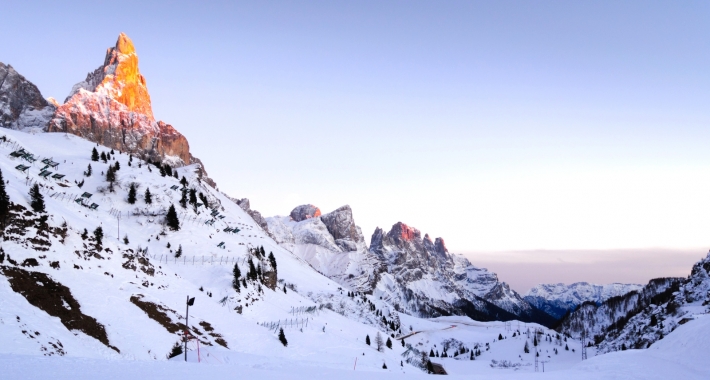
500 125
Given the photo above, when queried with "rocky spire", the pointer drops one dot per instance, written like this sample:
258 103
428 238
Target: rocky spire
119 78
112 107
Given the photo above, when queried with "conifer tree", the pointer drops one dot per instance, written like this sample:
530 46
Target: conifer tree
367 340
535 340
235 281
88 171
193 198
251 275
103 156
110 177
282 337
526 349
500 336
178 253
94 155
183 198
402 342
99 235
431 353
389 343
183 181
379 343
148 196
125 240
117 166
4 203
384 365
172 219
132 194
36 199
272 261
85 234
566 347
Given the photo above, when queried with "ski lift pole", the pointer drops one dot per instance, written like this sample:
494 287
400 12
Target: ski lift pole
190 302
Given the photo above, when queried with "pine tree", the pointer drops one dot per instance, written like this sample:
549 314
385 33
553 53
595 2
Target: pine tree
500 336
168 170
193 198
88 171
85 234
402 342
110 177
473 357
566 348
235 281
379 343
148 196
367 340
183 199
132 194
37 199
526 348
535 340
99 235
172 219
389 343
125 240
272 261
251 275
183 181
282 337
384 366
176 350
4 203
431 353
178 253
117 166
103 156
94 155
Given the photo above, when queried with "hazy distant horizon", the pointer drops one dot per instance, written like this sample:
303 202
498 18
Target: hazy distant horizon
524 269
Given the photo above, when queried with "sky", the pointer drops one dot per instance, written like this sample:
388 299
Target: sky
509 128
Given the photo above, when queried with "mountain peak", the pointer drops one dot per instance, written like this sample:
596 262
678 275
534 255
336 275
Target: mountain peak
119 79
124 45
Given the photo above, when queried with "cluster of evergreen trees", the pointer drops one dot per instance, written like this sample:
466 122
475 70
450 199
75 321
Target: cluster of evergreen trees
254 272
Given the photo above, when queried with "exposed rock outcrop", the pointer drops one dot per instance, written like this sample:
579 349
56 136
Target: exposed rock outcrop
112 107
256 215
21 103
341 225
304 212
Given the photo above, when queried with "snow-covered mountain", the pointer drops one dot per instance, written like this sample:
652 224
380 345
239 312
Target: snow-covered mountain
111 107
558 299
681 301
415 274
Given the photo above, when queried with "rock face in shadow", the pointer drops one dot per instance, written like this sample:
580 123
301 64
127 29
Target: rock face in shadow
112 107
341 225
21 103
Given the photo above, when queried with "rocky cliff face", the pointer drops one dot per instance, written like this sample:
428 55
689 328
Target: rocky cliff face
112 107
21 103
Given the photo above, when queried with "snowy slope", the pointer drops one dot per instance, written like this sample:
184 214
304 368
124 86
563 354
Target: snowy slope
557 299
682 355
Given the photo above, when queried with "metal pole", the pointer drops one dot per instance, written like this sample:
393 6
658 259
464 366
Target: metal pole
187 314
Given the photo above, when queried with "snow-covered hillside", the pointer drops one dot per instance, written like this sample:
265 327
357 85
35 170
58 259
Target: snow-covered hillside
558 299
65 293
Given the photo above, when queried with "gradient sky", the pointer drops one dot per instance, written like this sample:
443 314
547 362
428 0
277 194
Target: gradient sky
579 128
